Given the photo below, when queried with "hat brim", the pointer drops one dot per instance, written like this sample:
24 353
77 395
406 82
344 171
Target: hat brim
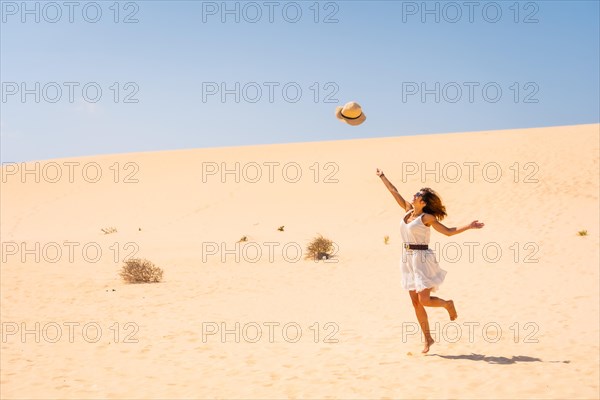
353 122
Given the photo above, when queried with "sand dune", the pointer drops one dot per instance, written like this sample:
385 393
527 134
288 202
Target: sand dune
527 295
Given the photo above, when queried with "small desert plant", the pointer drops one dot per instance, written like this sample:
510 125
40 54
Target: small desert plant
138 270
386 239
582 233
243 239
319 248
109 230
280 228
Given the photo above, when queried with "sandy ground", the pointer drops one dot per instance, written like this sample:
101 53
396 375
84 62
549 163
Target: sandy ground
255 319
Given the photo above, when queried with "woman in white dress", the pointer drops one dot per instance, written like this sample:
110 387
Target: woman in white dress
421 273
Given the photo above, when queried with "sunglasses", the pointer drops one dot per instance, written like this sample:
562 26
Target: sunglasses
418 194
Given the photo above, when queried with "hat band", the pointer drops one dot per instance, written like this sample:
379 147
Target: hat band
342 114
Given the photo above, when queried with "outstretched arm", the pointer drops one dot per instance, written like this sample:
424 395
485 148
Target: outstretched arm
430 220
399 199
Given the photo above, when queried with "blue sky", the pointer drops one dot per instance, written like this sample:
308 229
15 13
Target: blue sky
543 56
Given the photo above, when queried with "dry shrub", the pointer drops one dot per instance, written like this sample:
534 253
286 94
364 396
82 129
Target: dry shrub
138 270
319 248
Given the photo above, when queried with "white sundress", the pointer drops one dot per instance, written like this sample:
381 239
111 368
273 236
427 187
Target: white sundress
420 269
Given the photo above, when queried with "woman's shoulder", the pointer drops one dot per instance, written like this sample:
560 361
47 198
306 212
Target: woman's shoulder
408 212
428 219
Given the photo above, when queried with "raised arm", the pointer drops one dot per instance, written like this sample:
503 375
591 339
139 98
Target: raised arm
399 199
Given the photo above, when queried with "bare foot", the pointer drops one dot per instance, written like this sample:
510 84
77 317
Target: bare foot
428 344
451 310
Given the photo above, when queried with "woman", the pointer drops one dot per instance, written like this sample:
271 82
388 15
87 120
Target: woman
421 273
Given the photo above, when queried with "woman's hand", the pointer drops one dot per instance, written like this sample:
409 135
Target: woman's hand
476 225
379 173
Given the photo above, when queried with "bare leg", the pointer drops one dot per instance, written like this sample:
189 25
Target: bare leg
423 321
430 301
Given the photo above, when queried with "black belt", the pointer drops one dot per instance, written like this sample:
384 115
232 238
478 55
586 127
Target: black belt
409 246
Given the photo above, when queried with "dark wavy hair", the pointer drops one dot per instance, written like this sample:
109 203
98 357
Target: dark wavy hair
434 204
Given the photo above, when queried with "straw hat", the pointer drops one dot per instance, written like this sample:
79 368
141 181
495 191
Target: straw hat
351 114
